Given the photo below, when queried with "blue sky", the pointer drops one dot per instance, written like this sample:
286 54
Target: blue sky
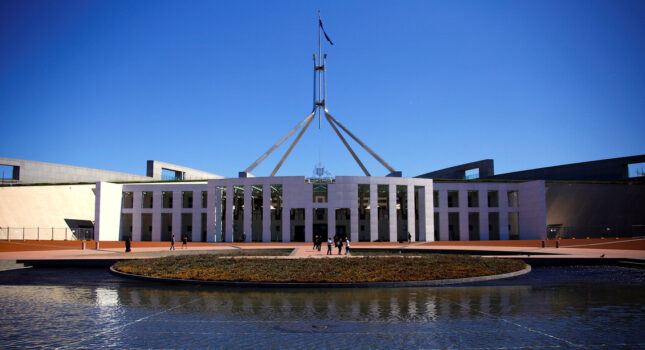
426 84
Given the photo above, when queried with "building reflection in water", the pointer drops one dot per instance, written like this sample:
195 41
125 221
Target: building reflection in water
132 316
377 305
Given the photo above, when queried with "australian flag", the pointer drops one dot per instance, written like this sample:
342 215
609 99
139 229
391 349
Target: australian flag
323 30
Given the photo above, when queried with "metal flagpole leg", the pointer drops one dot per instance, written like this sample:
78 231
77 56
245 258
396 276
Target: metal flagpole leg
311 117
361 143
267 153
347 145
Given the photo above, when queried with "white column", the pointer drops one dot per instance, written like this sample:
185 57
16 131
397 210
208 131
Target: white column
425 231
423 235
392 212
137 202
197 223
177 203
443 225
353 223
286 222
443 215
331 222
266 213
214 214
484 234
230 195
411 209
156 216
463 214
197 215
248 210
464 232
503 225
503 214
373 212
309 224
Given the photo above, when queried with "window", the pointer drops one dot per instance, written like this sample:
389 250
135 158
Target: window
471 174
493 199
187 199
435 198
473 199
147 200
513 201
513 225
636 170
166 199
453 199
9 172
128 199
204 199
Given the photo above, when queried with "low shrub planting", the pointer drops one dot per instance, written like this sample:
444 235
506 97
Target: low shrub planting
338 270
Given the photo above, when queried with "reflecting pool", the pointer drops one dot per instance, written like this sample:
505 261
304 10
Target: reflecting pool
564 307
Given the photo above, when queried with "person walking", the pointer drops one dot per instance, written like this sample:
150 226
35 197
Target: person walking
409 238
339 243
184 242
172 242
329 246
315 242
347 246
128 244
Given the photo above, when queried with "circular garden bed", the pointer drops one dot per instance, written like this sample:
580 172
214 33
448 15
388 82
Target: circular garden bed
357 270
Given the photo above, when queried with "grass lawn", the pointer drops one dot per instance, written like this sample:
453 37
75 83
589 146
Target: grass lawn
343 270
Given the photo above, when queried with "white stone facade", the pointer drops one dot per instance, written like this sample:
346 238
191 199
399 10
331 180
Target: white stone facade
389 209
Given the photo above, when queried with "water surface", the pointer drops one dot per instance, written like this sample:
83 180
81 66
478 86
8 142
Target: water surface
565 307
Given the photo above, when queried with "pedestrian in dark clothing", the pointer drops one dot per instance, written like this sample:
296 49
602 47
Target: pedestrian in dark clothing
184 242
329 246
127 244
409 237
172 242
340 246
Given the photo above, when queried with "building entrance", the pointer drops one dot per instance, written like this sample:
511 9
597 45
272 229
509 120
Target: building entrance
299 233
341 231
320 230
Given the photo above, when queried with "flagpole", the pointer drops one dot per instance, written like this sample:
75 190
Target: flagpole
319 80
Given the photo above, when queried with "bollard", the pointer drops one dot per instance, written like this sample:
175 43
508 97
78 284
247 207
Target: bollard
97 245
557 244
543 244
83 245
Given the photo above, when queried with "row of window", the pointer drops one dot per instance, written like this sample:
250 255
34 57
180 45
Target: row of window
473 199
166 199
474 223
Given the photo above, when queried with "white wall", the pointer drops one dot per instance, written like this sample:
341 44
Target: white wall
39 212
531 208
108 211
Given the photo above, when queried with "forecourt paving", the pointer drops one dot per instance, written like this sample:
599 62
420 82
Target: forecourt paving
627 248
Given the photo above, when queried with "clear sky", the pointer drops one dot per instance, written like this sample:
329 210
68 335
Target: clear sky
427 84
